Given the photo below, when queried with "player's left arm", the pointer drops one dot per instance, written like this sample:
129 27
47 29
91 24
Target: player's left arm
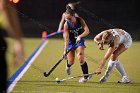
85 28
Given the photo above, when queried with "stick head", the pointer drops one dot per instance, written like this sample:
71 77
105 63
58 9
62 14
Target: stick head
44 35
57 81
46 74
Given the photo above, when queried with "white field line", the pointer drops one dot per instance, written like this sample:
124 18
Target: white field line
12 85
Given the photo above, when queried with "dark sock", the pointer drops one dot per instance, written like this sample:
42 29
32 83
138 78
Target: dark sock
84 68
68 65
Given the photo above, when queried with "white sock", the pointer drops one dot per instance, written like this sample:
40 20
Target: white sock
120 68
110 66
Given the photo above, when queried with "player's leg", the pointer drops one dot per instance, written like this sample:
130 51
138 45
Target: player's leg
83 63
110 66
119 66
122 72
70 61
112 62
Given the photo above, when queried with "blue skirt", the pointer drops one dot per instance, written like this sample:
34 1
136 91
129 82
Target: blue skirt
72 42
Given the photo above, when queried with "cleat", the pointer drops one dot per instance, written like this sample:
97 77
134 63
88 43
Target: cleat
124 80
82 80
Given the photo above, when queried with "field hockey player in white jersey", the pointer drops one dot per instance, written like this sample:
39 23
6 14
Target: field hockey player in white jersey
119 41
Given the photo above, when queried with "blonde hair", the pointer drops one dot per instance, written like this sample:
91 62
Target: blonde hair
107 35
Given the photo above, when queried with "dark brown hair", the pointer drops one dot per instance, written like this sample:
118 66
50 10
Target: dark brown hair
74 4
70 11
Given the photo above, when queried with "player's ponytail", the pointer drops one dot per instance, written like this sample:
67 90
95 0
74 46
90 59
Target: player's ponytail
72 5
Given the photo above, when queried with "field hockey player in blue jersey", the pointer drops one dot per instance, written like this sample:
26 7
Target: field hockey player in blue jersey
75 29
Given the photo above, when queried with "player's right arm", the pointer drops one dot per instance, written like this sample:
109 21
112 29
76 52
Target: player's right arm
85 28
66 37
61 23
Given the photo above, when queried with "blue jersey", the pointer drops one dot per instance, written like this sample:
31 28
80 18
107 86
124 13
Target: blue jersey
74 32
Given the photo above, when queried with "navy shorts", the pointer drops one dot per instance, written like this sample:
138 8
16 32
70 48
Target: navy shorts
72 42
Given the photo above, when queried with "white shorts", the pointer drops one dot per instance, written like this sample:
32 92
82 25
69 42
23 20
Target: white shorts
127 42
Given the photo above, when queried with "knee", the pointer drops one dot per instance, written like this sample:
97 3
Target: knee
80 56
71 61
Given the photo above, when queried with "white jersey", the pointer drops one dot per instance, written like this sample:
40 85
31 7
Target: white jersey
124 39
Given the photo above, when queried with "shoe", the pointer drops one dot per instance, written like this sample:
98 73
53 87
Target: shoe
103 79
124 80
82 80
68 70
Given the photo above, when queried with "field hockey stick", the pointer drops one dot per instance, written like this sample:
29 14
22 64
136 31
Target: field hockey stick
65 79
46 74
44 34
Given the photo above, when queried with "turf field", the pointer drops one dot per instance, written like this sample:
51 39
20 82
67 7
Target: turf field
33 80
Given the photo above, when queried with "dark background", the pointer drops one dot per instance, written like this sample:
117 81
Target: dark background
37 16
